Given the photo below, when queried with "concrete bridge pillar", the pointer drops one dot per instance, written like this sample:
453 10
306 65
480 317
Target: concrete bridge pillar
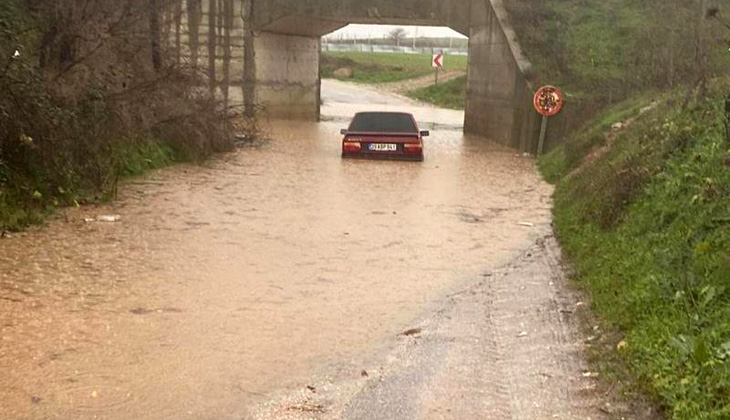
287 79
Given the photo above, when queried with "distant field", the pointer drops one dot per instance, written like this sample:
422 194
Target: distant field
451 94
377 68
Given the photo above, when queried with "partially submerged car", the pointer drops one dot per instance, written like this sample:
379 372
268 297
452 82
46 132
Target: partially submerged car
383 135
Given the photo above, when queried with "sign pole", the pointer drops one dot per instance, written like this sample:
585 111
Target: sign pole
543 132
437 62
548 101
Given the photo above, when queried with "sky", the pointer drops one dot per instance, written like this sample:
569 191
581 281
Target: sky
378 31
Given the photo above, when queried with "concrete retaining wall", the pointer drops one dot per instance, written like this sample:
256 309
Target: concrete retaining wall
498 103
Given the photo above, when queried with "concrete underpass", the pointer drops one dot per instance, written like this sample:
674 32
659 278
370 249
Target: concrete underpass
277 57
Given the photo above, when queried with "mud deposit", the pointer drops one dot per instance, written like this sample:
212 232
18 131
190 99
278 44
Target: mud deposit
221 286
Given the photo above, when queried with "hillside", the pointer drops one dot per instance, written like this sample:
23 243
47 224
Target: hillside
643 214
602 53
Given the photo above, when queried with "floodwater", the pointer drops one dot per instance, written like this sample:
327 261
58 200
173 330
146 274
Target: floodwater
226 282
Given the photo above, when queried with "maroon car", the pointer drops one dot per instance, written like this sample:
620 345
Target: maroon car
383 135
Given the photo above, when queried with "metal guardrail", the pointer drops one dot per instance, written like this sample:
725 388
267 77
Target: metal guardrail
330 47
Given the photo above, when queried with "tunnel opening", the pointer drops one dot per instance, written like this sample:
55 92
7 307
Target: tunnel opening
365 67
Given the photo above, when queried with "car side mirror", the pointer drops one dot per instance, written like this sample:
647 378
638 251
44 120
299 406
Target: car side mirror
425 133
343 131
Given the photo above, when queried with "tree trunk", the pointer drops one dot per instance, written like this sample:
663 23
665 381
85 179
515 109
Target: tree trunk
212 44
701 64
167 22
671 70
221 20
178 31
194 12
155 35
227 29
249 63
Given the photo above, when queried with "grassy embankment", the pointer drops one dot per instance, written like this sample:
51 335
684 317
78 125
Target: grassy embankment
376 68
646 226
450 94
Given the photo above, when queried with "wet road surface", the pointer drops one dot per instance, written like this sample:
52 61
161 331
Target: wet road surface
341 100
226 287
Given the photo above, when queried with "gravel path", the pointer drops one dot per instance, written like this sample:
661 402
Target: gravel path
507 348
419 83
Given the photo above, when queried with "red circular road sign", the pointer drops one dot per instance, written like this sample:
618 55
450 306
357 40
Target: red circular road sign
548 100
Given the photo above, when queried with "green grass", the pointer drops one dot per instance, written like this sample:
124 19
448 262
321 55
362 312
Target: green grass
450 94
139 156
25 199
375 68
568 155
647 230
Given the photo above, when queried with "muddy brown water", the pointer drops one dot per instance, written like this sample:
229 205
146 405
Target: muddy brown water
225 282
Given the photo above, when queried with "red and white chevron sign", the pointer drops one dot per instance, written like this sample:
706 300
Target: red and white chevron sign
438 60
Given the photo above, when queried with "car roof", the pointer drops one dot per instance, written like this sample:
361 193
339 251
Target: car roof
383 113
384 122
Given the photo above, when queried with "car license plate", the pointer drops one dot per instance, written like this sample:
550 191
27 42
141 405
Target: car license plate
382 147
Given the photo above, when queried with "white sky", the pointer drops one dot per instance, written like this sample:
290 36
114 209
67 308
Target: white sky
378 31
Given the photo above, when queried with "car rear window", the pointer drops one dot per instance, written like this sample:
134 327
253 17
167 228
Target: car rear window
383 122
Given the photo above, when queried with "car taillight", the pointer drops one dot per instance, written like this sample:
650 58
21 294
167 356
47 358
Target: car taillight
351 146
412 148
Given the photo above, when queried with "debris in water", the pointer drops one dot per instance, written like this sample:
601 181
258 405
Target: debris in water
140 311
244 140
308 408
110 218
412 331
